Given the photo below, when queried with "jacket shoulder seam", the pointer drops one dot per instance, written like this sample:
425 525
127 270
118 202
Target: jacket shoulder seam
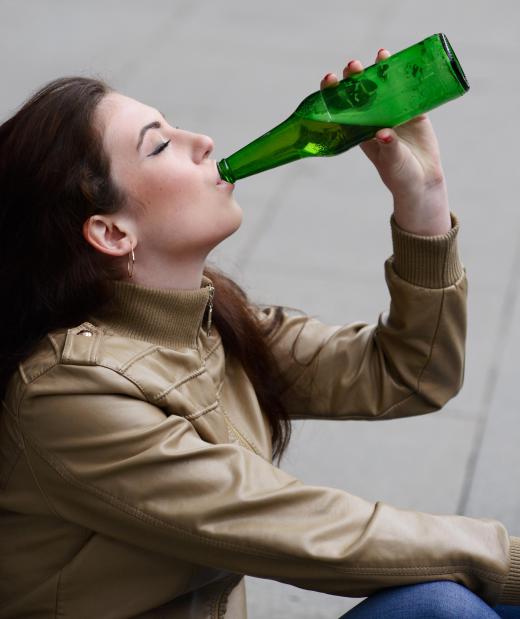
35 377
28 377
106 366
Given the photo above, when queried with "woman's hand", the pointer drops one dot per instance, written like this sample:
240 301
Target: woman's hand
408 161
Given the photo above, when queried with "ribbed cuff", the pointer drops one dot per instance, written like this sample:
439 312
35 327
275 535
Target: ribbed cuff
427 261
511 591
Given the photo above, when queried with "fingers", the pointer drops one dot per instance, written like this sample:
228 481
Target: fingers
354 66
331 79
382 54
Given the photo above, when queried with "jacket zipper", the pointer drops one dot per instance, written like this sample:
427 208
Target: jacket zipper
210 309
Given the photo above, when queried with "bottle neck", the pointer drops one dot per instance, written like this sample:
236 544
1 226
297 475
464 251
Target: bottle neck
276 147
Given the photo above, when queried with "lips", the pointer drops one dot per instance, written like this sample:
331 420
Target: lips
218 180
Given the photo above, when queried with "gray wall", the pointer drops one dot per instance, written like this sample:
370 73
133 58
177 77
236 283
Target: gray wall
316 232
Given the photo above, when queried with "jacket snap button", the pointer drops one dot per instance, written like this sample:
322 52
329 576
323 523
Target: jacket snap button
85 333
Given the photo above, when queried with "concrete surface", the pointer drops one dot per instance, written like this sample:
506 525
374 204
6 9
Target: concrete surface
316 233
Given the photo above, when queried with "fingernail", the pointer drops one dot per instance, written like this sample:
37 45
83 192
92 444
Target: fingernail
351 63
328 76
385 139
380 50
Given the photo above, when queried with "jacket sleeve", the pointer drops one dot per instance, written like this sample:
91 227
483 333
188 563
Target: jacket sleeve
411 362
106 459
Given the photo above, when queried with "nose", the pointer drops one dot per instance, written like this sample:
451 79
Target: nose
202 148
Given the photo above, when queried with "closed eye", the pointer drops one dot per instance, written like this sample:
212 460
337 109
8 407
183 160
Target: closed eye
159 148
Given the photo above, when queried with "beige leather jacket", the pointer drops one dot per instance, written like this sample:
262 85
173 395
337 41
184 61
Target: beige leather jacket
135 463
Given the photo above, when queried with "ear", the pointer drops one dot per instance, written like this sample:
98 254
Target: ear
108 236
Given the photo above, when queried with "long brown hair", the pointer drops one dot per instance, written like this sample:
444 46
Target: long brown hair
54 175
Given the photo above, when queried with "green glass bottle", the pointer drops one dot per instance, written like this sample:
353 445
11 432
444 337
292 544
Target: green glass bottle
332 120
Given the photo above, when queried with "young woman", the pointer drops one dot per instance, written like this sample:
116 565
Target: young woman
145 399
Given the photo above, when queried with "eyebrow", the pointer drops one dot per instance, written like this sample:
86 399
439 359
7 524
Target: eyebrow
155 125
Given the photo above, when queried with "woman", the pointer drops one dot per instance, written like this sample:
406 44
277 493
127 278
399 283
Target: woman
145 398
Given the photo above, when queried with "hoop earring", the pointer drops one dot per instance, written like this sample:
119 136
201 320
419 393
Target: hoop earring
130 264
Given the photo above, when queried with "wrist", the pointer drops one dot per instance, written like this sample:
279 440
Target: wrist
425 213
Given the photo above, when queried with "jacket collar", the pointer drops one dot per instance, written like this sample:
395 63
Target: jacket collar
166 317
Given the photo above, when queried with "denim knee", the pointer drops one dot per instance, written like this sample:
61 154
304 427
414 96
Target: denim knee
431 600
447 600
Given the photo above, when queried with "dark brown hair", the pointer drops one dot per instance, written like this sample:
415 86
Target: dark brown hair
54 175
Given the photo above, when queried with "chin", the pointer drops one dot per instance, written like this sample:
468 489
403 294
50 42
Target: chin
232 224
232 229
235 218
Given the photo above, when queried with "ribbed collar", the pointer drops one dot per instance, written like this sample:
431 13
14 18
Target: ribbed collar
167 317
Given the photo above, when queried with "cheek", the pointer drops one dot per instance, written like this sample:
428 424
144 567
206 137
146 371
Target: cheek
169 185
172 204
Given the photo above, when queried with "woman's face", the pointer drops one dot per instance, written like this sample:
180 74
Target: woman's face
176 202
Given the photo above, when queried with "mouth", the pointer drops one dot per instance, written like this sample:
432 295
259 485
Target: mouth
220 181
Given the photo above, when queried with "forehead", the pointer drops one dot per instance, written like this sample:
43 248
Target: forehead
121 117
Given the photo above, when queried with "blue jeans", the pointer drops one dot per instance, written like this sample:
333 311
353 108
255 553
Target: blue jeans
431 600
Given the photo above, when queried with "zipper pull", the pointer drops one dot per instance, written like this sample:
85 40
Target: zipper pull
210 309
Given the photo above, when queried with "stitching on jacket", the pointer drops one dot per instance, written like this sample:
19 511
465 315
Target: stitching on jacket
416 391
239 434
114 369
437 326
6 475
248 442
232 435
43 371
433 342
22 436
94 349
59 604
144 353
208 409
24 375
12 414
57 612
54 344
212 350
127 377
133 511
180 382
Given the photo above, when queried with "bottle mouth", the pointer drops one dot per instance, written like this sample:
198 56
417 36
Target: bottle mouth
226 174
454 61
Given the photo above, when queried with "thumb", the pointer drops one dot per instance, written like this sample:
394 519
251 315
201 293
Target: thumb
390 152
388 140
383 148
